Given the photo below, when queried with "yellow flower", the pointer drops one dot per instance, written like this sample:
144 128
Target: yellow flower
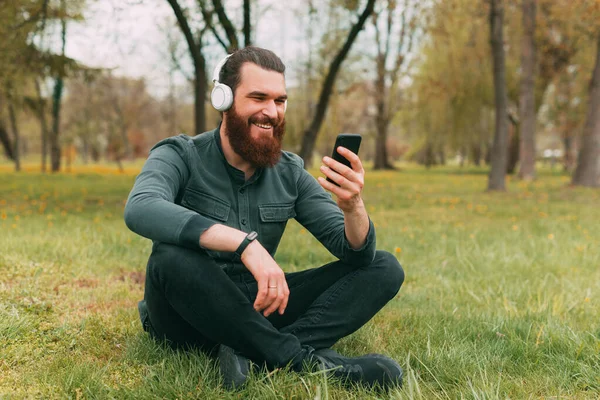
515 227
586 300
3 215
398 250
551 236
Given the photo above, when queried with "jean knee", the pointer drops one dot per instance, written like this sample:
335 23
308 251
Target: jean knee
392 275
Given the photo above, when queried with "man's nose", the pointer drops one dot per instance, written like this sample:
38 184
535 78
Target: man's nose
270 109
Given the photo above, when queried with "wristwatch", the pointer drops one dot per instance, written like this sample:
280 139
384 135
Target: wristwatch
247 240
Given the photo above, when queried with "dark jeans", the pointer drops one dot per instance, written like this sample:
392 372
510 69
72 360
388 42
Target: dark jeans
193 302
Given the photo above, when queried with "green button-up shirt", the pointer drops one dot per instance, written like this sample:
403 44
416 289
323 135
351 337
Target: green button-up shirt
187 185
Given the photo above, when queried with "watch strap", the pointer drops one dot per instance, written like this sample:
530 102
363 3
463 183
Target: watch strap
250 237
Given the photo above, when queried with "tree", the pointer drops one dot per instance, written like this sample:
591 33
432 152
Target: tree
195 48
195 45
499 148
587 172
310 135
386 82
527 100
55 150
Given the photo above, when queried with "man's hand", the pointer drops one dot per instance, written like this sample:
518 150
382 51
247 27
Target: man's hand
273 291
350 180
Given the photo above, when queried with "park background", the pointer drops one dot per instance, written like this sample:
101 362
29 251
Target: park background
481 127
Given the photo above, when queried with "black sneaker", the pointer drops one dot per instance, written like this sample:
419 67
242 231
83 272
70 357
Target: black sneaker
370 370
234 368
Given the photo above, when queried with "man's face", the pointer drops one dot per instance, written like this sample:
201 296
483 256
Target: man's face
256 123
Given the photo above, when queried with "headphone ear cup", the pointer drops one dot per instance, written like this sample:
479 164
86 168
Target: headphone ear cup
221 97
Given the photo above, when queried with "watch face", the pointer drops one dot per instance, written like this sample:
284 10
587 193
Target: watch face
252 235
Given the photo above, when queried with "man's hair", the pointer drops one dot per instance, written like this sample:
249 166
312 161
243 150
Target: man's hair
230 74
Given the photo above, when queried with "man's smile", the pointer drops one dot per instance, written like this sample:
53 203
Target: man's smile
263 126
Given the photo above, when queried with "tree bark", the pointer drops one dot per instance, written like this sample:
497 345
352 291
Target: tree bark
43 124
587 172
527 96
310 135
227 25
476 153
16 137
200 84
56 101
55 152
247 24
499 150
382 119
513 148
6 142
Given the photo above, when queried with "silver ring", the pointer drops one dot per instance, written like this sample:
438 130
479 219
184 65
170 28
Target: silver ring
272 287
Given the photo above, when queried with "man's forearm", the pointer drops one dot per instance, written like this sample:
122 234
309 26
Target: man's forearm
222 238
356 225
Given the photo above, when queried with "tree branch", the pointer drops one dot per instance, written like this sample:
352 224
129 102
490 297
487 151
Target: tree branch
227 26
207 15
187 32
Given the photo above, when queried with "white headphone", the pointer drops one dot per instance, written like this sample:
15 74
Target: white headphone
221 96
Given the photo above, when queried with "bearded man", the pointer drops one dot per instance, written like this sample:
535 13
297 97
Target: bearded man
216 206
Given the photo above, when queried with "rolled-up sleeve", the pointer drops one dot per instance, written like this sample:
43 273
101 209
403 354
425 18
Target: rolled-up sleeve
321 216
151 210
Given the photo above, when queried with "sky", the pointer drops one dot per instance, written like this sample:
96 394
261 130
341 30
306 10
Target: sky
129 36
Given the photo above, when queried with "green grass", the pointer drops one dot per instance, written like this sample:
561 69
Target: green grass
501 298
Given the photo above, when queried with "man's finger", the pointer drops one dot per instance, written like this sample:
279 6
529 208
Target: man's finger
335 189
274 292
261 295
353 158
336 166
286 296
333 175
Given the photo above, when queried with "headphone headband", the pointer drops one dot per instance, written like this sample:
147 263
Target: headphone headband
217 71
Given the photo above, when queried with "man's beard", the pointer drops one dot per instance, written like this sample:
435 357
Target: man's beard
262 152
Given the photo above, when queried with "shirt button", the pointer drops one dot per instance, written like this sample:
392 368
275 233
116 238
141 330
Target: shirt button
244 221
242 190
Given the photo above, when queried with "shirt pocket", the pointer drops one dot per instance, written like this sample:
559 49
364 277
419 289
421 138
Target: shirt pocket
273 219
206 204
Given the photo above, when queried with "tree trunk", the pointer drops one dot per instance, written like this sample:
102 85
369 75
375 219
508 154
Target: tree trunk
195 49
57 99
587 172
476 153
199 95
441 155
382 120
247 24
513 148
54 136
499 150
310 135
43 124
6 142
527 96
15 128
429 158
568 157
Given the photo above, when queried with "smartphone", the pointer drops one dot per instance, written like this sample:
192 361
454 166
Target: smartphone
351 141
